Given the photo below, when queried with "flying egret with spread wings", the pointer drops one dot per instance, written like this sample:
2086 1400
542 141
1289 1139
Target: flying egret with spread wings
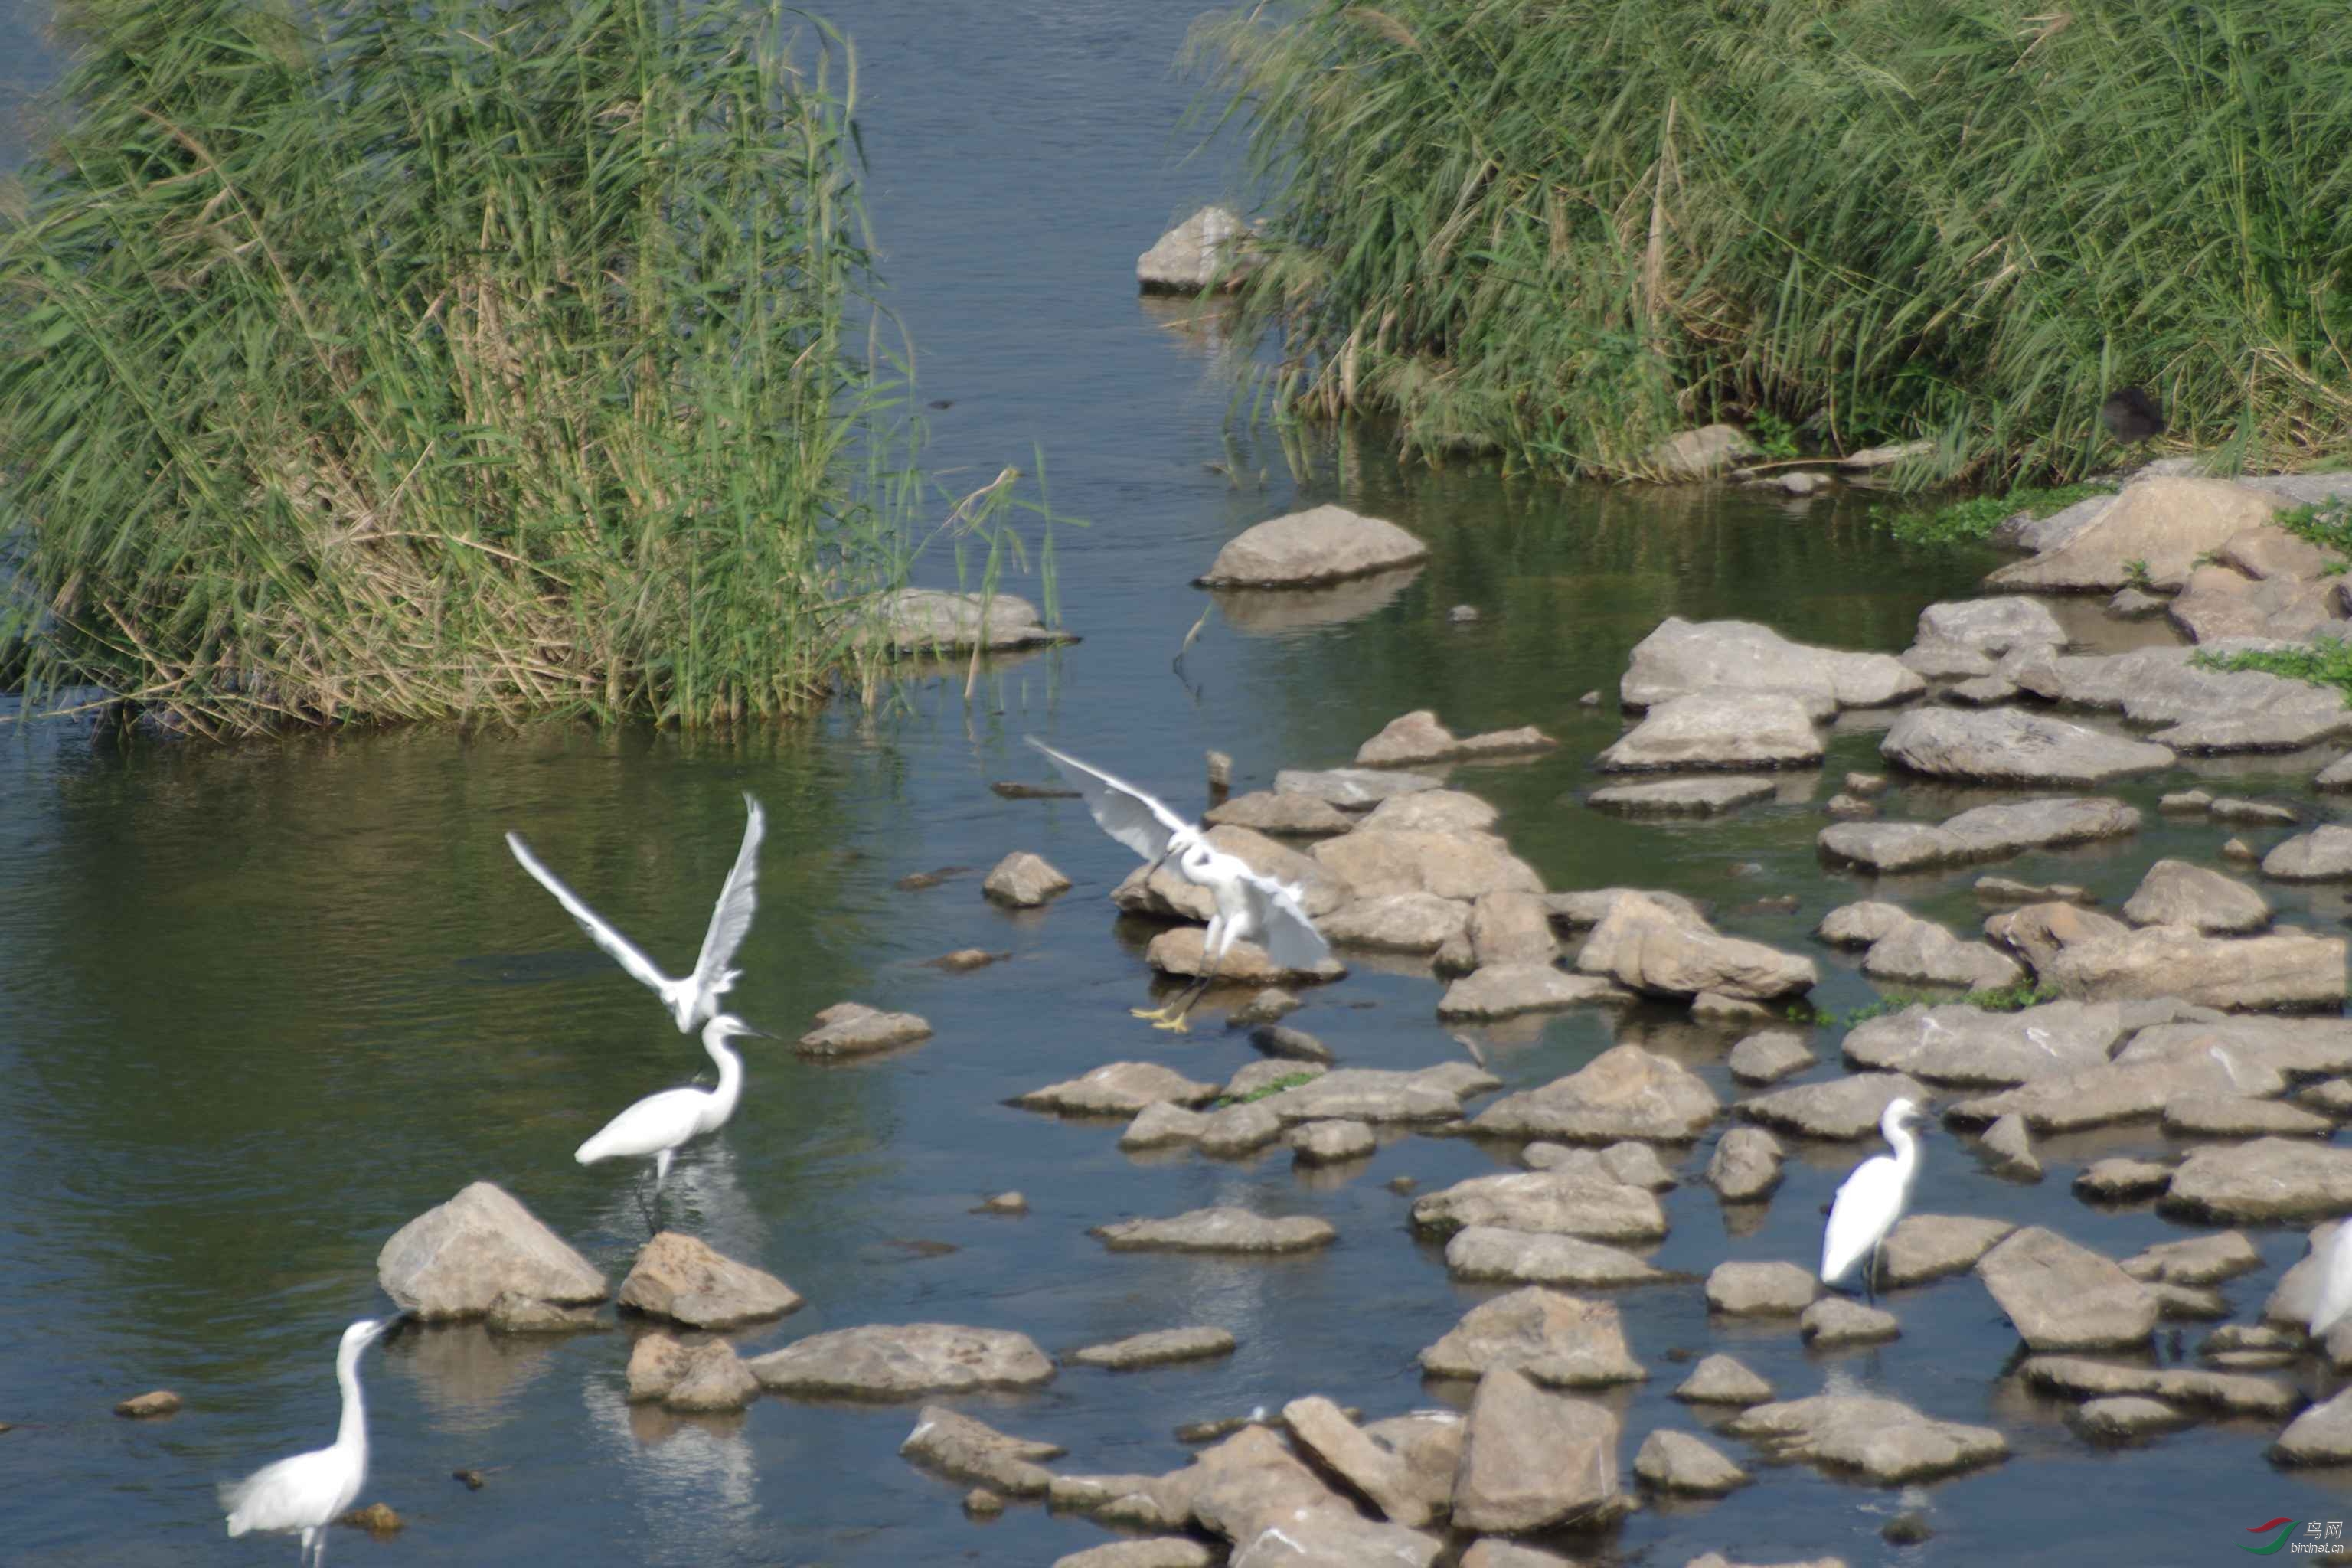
1251 906
696 997
310 1492
1871 1200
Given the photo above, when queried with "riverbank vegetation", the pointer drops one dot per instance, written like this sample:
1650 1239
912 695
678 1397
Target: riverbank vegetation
497 356
1571 230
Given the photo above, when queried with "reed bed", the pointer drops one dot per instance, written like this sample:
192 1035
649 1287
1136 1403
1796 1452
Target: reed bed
1570 227
370 361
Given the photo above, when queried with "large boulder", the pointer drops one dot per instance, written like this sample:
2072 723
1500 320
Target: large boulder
1652 947
2175 893
1625 1092
2322 854
1921 952
2002 745
1397 922
2158 527
1983 832
1464 866
1697 454
932 620
2062 1297
1533 1458
1194 254
2289 970
1322 545
1681 657
1271 811
1367 1464
682 1278
455 1260
1719 729
903 1361
1957 1043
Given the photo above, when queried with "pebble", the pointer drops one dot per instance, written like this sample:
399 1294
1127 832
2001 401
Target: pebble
1270 1005
1865 784
1005 1202
377 1519
1402 1186
141 1406
2239 849
964 960
1723 1380
473 1479
981 1503
2120 1180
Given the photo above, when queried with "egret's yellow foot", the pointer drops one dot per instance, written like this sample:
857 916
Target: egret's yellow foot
1176 1022
1156 1015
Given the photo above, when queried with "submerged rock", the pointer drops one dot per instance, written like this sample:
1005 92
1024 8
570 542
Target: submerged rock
1324 544
1681 798
455 1260
1224 1229
900 1360
1352 788
1118 1089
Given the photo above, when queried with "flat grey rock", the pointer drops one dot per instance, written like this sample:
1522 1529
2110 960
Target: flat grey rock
1883 1439
1681 797
2269 1179
1325 544
2061 1295
1559 1340
2009 747
1157 1348
1488 1254
1352 788
1840 1108
1683 656
901 1361
1549 1203
1625 1092
1715 729
1223 1230
2175 893
1985 833
957 1445
1678 1462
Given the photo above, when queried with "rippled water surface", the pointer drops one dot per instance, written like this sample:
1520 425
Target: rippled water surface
258 1008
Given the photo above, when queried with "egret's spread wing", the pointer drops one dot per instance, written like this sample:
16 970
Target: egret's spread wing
603 935
1288 937
738 897
1123 811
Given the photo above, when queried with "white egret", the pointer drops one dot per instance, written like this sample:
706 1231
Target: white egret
660 1124
310 1492
1250 906
2333 1262
1871 1200
696 997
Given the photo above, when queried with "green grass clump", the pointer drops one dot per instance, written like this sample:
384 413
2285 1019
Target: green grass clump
380 361
1966 522
1574 229
2003 999
2329 525
2325 663
1266 1090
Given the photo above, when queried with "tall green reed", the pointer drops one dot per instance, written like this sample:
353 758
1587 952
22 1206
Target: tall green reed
1572 226
371 360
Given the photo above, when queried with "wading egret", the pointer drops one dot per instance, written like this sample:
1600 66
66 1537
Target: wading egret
696 997
1250 907
2131 416
2335 1296
1871 1200
660 1123
310 1492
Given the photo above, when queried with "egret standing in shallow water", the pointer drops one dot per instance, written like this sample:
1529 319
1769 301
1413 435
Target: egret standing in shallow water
696 997
660 1123
1871 1200
1251 907
310 1492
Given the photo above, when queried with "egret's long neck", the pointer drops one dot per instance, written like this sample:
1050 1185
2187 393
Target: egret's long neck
350 1435
730 1081
1907 1154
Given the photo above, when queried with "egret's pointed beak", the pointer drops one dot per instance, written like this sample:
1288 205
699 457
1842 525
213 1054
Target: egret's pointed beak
389 1328
762 1033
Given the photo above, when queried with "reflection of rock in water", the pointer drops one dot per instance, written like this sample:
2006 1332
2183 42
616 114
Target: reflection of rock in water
469 1377
1270 612
691 1477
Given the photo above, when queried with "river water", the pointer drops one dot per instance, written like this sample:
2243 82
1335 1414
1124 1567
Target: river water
260 1006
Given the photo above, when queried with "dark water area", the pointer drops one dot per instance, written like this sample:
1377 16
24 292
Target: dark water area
261 1006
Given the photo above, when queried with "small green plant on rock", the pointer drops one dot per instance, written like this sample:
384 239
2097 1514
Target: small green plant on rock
1266 1090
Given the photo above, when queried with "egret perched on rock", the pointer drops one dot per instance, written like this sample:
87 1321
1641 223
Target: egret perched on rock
2333 1301
1251 907
696 997
1871 1200
310 1492
660 1123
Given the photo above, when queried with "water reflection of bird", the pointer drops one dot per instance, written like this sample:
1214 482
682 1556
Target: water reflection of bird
1871 1200
309 1491
1251 907
660 1124
2131 416
696 997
